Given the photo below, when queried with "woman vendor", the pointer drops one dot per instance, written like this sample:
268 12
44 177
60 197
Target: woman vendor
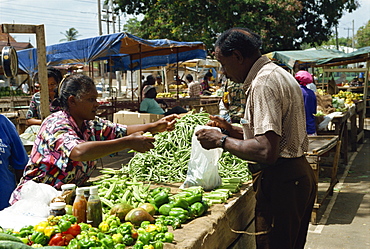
70 140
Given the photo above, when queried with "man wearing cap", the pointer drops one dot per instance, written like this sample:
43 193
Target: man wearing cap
309 98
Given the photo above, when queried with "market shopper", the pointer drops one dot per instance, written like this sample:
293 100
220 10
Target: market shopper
150 104
309 99
13 159
70 141
233 100
33 115
195 89
272 135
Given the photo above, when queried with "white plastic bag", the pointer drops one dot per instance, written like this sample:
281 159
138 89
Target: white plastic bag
203 165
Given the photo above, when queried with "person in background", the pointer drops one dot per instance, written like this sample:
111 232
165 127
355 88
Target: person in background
13 159
361 76
312 85
205 84
159 86
272 135
150 105
309 98
233 101
71 140
150 81
33 115
195 89
25 88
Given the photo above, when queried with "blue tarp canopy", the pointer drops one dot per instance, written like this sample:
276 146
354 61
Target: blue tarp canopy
309 56
122 50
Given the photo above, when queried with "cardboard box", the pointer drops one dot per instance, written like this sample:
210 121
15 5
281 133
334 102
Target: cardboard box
130 118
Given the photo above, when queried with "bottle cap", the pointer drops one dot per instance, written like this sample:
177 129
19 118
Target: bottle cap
93 190
80 191
68 186
57 205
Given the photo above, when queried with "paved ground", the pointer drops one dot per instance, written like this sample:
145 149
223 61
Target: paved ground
344 218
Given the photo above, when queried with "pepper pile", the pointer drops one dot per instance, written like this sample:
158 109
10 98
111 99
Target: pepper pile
176 209
55 231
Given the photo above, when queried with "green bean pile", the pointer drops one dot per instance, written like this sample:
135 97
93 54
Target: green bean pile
168 161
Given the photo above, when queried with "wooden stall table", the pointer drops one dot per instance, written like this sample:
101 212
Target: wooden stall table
209 99
319 145
340 129
357 128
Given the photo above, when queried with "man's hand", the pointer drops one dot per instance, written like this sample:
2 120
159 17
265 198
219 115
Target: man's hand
209 138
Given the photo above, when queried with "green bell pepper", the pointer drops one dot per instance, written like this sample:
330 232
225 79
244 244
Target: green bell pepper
128 240
169 237
179 213
160 198
69 217
119 246
182 203
160 237
117 238
138 245
165 208
198 208
39 238
74 244
158 245
64 225
145 238
194 198
107 243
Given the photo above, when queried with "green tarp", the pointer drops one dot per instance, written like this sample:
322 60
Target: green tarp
309 56
359 53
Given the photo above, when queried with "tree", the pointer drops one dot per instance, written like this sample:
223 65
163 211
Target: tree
283 24
70 35
363 36
132 26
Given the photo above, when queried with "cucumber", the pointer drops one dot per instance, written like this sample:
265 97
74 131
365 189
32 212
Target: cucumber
8 244
8 237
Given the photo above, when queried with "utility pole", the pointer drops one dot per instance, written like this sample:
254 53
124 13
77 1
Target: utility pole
353 34
348 29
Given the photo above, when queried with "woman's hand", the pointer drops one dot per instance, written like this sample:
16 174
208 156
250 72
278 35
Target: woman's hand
141 143
217 121
164 124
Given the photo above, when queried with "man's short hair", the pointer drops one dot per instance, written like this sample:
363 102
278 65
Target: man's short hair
244 40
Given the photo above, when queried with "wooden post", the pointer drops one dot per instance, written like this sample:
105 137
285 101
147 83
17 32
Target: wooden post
43 76
41 59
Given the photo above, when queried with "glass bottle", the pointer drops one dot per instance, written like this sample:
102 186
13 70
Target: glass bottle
94 208
58 208
80 206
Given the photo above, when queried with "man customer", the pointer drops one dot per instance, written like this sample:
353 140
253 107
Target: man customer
195 89
13 159
272 135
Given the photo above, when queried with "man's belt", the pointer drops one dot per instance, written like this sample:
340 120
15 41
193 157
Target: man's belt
256 167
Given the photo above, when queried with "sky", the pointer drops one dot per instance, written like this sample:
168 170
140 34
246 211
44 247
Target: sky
59 16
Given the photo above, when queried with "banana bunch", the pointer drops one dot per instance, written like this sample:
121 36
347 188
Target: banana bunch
164 95
349 97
